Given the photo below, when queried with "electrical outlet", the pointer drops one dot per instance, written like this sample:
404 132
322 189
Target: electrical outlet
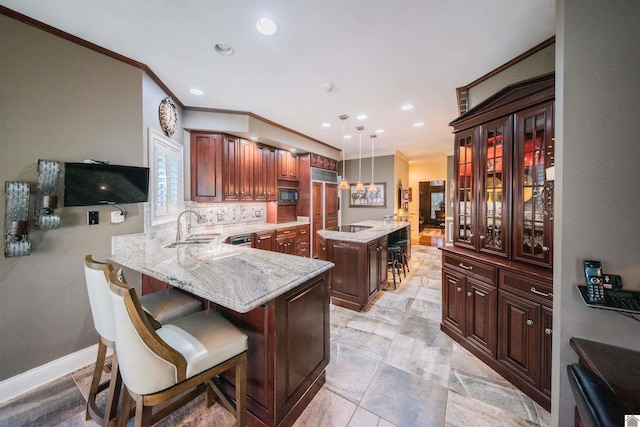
93 217
117 217
220 218
258 213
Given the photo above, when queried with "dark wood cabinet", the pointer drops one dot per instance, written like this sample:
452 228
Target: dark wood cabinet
286 240
287 164
331 205
377 265
303 240
265 181
237 180
497 278
265 240
206 167
288 352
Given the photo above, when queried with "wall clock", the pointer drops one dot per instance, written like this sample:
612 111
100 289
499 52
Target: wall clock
168 116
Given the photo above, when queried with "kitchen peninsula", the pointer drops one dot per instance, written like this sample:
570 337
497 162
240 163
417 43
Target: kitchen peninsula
359 252
280 301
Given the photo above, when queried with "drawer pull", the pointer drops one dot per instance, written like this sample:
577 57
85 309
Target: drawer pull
529 322
469 294
466 267
547 331
481 237
458 288
542 294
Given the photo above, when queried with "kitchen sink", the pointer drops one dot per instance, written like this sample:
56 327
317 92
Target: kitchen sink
187 243
350 228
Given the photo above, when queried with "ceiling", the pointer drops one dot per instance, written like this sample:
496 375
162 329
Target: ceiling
376 54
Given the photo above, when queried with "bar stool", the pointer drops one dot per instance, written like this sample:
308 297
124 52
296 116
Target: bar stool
160 307
393 262
403 255
596 403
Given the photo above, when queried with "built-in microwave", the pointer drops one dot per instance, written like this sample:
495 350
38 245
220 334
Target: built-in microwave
287 195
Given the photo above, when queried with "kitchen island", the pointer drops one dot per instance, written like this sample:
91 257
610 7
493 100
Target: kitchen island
280 301
359 252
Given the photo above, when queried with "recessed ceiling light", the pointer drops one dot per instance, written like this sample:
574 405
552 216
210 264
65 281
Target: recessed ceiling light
224 49
379 130
407 107
293 150
347 137
326 125
195 91
419 124
362 117
267 26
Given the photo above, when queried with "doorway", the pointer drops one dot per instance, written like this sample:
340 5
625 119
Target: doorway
431 204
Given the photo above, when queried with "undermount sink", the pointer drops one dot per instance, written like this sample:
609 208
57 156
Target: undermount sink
350 228
187 243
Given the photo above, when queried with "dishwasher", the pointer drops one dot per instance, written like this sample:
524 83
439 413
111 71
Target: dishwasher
241 240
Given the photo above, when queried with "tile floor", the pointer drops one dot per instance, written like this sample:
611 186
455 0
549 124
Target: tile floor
390 366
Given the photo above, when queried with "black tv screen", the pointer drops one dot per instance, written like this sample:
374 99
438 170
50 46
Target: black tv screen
87 184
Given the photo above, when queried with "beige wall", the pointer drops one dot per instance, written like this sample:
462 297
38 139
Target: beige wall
596 207
62 102
434 169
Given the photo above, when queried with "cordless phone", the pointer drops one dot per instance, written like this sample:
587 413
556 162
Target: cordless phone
593 276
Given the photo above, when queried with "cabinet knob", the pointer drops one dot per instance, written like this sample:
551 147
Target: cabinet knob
481 237
548 331
459 289
529 322
469 294
545 248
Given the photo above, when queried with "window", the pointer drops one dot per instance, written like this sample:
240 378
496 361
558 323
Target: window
166 159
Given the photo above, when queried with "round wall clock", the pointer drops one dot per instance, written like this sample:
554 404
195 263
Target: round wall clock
168 116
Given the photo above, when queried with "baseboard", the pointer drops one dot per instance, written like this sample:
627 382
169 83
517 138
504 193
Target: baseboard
38 376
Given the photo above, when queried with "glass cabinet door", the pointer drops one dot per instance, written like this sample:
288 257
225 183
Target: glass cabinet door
495 182
533 204
464 224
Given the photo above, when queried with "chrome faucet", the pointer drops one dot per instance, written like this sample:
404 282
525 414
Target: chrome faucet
386 218
199 219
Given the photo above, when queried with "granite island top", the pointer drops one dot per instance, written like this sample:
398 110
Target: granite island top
377 230
237 277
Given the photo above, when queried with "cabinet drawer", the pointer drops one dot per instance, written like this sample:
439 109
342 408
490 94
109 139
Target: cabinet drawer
472 268
289 231
533 290
303 231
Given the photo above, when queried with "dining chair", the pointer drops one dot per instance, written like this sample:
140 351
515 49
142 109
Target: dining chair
171 365
160 307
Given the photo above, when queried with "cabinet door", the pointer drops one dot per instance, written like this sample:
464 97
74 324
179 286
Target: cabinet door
533 201
453 300
260 172
373 261
481 315
519 335
547 338
244 169
494 165
331 205
230 184
271 180
320 249
346 276
206 167
264 240
382 266
464 222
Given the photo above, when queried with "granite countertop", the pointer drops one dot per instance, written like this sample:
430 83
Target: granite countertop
239 278
220 234
377 230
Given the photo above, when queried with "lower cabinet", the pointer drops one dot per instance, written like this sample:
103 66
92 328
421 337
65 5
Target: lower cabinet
286 240
502 313
360 269
264 240
290 240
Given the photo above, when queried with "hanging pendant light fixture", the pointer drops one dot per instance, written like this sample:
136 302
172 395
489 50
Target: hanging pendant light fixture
372 187
344 184
360 185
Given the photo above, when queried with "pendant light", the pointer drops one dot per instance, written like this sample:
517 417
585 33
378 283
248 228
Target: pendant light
344 184
360 185
372 187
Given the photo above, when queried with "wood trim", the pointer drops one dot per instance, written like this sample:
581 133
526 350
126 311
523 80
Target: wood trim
118 57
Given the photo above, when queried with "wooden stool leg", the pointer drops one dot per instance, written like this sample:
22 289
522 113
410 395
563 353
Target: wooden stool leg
115 384
241 391
92 408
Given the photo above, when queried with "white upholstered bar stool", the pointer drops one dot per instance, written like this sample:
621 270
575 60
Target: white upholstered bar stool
171 365
160 307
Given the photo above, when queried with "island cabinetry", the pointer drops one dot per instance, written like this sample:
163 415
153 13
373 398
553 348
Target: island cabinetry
206 167
288 352
320 249
265 240
286 240
287 166
264 173
525 329
237 180
360 269
377 262
469 301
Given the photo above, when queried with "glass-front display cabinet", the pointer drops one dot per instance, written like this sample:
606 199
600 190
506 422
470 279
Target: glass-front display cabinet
533 205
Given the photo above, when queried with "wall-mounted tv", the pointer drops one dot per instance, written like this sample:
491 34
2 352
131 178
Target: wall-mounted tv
87 184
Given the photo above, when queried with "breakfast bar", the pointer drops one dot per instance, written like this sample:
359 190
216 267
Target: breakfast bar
280 301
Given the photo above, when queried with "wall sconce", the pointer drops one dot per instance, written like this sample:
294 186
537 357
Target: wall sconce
16 242
46 200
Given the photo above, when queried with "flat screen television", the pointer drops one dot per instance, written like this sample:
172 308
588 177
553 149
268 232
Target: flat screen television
87 184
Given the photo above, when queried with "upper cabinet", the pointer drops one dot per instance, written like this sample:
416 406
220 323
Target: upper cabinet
264 173
287 166
206 167
502 197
